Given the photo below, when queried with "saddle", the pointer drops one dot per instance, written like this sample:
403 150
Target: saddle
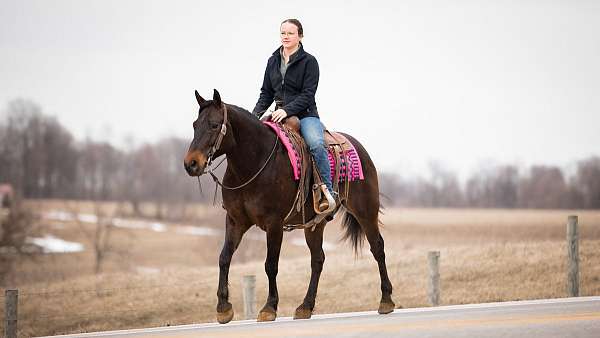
339 147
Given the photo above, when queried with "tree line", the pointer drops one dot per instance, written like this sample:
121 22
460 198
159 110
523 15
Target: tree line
500 186
42 159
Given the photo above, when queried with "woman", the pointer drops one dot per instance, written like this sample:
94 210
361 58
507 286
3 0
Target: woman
291 80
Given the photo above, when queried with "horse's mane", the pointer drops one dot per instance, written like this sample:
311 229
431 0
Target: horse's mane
238 108
247 115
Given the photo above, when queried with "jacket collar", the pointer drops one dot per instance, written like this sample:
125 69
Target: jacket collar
296 56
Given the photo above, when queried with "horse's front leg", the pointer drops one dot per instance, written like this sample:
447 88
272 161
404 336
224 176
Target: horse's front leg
233 236
274 238
314 240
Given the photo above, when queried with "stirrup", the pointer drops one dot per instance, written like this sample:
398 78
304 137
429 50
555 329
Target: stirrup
328 206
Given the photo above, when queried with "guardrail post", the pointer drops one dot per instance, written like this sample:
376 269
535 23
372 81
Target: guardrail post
433 290
573 254
249 287
10 313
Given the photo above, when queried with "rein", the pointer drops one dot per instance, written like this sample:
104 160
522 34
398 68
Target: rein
216 147
216 179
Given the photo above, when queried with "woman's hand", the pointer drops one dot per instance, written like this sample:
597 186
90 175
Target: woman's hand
278 115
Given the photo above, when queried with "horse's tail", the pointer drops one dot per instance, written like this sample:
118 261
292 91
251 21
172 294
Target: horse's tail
353 232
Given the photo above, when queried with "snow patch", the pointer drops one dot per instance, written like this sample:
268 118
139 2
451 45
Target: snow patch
51 244
158 227
197 231
56 215
88 218
136 224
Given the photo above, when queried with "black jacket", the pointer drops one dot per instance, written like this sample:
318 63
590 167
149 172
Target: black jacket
296 91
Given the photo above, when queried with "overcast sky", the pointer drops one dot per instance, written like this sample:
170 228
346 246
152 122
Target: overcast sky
460 82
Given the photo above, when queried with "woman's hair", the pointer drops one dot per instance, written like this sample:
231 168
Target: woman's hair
296 23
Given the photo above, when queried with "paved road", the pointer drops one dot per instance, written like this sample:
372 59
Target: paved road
560 318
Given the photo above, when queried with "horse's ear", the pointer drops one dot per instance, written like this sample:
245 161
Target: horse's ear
217 97
199 98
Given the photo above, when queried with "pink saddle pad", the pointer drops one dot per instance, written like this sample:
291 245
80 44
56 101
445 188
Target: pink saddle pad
352 168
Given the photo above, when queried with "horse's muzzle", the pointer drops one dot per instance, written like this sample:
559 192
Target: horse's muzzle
192 169
194 163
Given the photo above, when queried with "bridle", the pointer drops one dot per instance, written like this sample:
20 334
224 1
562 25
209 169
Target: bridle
220 136
210 170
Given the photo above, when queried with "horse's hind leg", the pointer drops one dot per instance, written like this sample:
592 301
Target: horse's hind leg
367 218
314 240
386 305
363 206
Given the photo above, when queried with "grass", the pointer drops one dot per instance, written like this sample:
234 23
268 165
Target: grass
486 256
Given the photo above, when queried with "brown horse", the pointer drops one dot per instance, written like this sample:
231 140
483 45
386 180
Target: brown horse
259 189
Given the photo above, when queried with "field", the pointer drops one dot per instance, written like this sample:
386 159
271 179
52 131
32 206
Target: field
169 277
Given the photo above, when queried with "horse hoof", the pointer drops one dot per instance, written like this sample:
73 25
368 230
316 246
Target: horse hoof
225 317
302 313
386 307
266 316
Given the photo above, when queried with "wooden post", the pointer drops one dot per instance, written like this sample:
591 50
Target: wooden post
433 290
10 313
249 286
573 252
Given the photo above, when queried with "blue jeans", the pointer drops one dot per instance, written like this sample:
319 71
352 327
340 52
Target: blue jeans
312 130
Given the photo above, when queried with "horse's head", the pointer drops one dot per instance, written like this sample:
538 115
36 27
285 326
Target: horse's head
210 129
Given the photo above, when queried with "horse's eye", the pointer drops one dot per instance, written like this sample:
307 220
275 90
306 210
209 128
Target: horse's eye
214 125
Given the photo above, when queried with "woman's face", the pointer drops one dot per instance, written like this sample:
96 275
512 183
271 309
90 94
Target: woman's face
289 35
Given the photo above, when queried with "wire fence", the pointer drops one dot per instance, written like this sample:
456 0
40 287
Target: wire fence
98 291
34 319
91 315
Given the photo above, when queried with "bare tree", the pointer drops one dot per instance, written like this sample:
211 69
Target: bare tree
505 186
158 177
99 166
587 182
441 189
36 154
19 139
394 189
60 161
493 187
544 187
100 235
16 224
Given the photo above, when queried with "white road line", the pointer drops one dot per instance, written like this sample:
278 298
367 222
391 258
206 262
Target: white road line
339 315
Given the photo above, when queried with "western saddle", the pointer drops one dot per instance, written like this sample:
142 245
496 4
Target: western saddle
339 146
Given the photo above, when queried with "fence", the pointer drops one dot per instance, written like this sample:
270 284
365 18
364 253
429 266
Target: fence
13 298
248 282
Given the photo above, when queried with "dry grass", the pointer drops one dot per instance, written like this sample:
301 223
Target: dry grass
486 255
